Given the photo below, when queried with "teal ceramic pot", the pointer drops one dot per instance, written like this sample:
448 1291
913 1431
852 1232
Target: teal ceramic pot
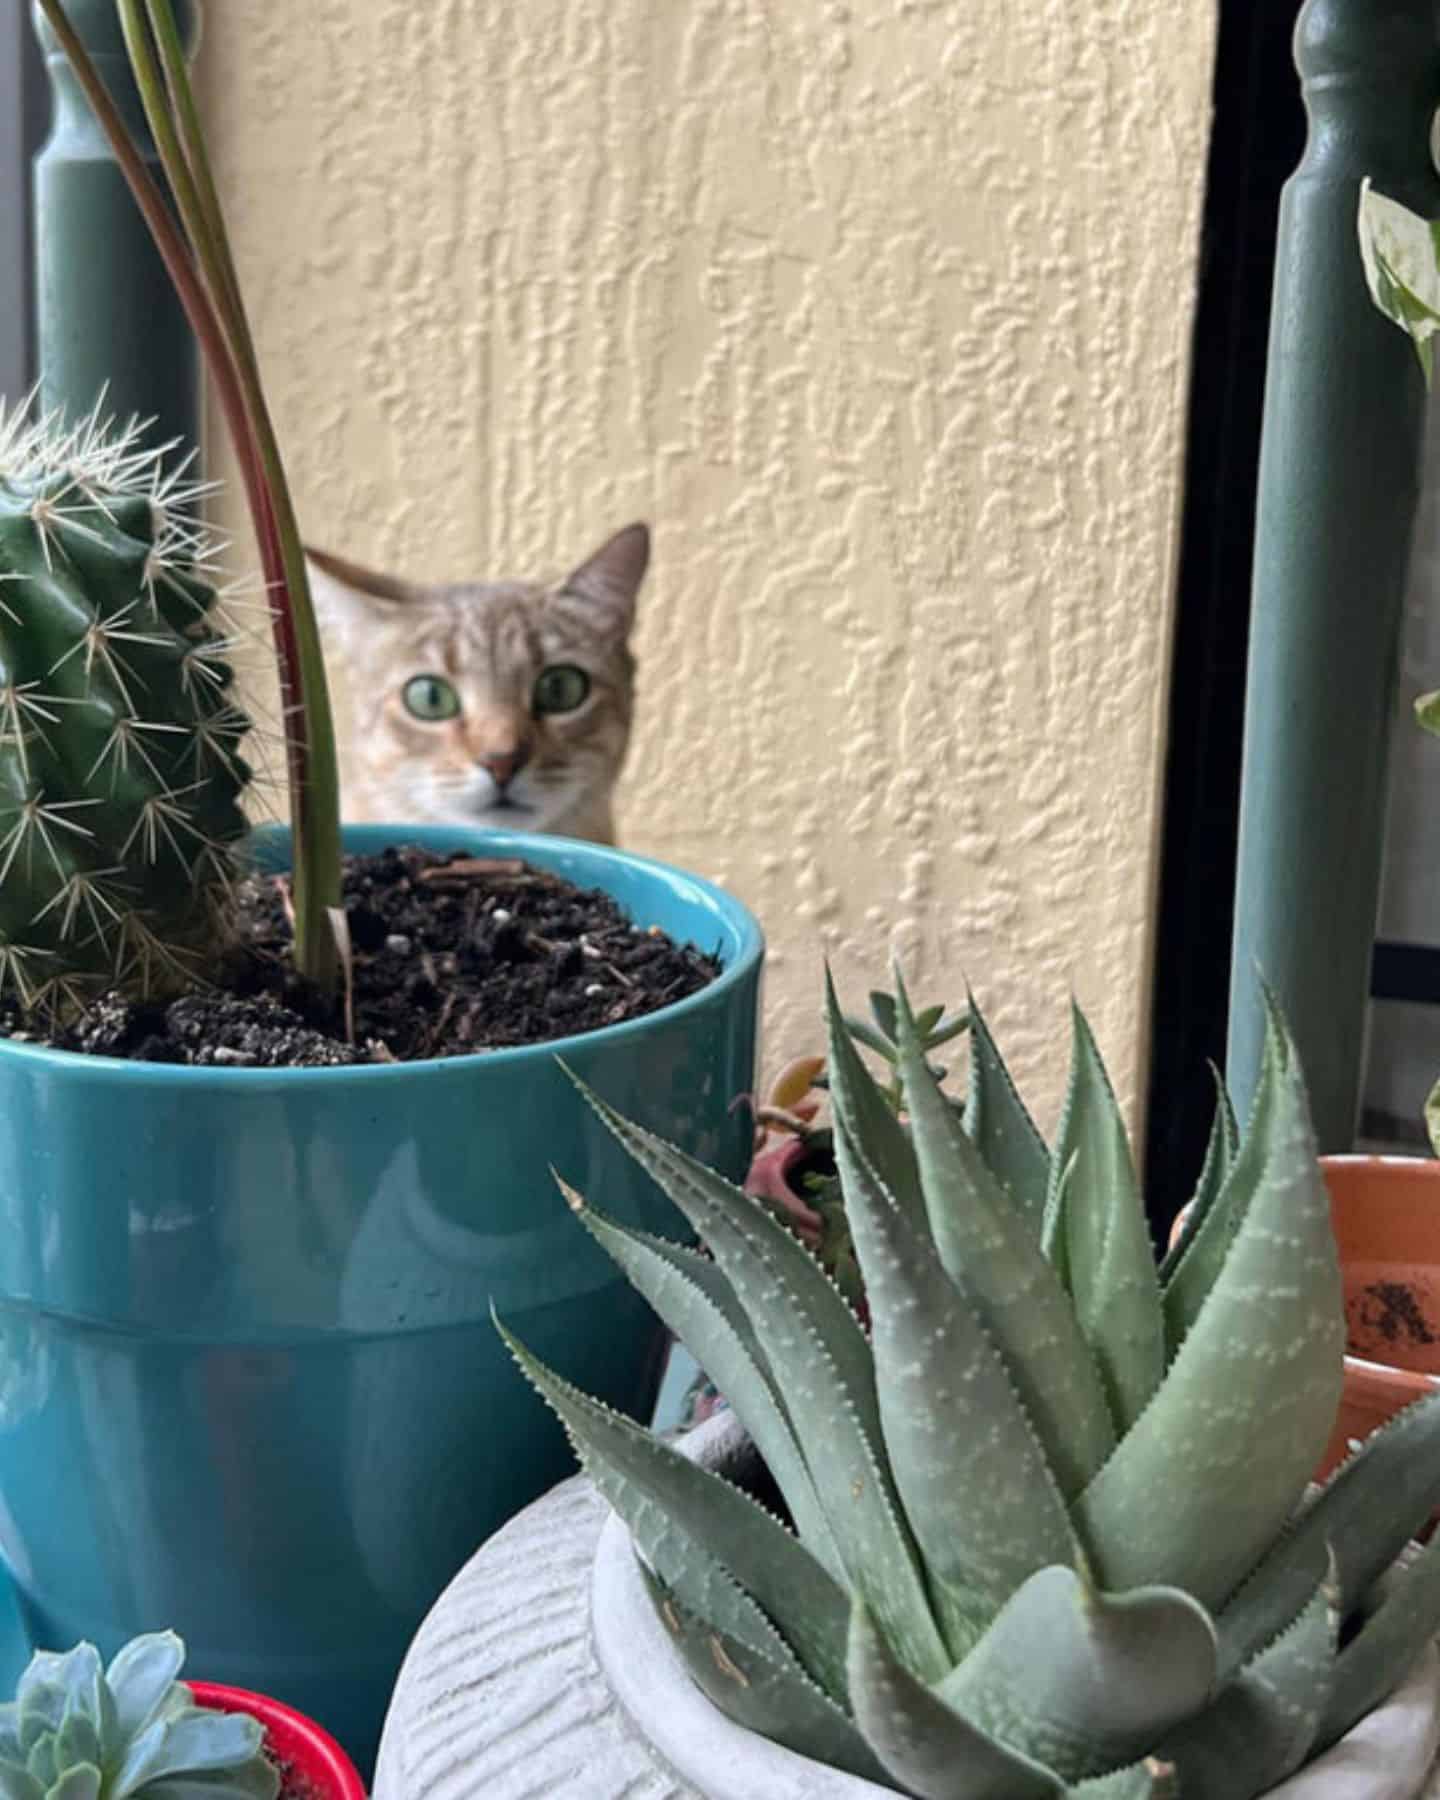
249 1384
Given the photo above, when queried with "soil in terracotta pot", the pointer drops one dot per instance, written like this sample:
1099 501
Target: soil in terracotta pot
1393 1320
450 955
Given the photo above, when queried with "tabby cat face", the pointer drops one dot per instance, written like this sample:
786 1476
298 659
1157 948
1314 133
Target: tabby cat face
504 704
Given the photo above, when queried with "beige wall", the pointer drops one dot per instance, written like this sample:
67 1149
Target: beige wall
879 310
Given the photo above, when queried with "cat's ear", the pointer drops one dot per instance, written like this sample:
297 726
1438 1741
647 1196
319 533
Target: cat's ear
611 578
342 589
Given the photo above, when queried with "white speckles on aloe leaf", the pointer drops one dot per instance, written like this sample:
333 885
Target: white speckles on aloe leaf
1262 1726
1246 1407
805 1327
1001 1128
693 1297
993 1259
806 1606
1097 1235
923 1742
952 1420
1364 1516
1083 1681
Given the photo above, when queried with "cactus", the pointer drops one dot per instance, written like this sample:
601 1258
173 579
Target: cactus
1048 1530
120 777
77 1731
194 245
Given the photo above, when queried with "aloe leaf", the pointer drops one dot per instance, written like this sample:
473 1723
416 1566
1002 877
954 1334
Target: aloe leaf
1097 1235
1384 1650
806 1329
923 1743
991 1256
779 1703
1262 1725
692 1296
1246 1409
1001 1128
806 1605
1192 1272
960 1446
863 1110
1365 1515
1220 1153
1148 1780
1083 1681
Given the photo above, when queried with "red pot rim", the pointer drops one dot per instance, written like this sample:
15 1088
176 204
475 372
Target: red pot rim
292 1736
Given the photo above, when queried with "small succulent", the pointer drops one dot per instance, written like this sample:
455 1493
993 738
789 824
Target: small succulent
1047 1530
121 779
805 1189
78 1731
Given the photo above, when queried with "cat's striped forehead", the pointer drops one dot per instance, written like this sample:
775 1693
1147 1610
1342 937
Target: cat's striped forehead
500 625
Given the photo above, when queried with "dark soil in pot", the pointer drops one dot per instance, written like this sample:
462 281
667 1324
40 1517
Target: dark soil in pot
449 955
295 1782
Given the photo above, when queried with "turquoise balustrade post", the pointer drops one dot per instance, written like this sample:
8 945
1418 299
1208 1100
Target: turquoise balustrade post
107 316
1339 480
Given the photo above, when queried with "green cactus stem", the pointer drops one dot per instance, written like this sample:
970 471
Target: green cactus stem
121 779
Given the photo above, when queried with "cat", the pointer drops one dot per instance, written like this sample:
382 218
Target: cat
505 704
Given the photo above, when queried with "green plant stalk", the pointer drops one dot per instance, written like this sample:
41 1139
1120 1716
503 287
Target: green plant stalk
316 800
200 284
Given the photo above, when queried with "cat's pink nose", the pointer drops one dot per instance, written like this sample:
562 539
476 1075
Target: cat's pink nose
502 766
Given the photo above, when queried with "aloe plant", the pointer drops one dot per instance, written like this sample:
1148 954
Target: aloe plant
196 251
77 1730
1047 1530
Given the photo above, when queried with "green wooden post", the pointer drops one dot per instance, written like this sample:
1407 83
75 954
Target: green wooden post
106 312
1339 479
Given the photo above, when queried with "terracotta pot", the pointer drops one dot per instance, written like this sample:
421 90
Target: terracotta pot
319 1768
1386 1213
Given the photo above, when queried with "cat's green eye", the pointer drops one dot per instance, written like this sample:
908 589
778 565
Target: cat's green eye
561 688
431 698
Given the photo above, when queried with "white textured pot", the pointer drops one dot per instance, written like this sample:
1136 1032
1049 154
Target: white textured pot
544 1671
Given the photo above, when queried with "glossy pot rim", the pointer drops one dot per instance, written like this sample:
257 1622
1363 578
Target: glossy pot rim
742 968
293 1734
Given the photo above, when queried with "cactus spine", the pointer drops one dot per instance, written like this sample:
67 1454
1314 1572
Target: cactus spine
121 779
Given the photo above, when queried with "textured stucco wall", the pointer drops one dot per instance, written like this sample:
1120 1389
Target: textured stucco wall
879 310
